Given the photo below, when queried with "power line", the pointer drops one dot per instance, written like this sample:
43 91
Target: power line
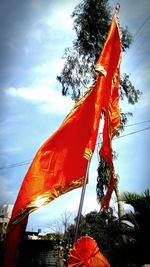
26 162
136 36
121 136
140 28
18 164
133 124
124 135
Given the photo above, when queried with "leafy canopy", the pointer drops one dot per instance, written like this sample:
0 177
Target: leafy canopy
92 20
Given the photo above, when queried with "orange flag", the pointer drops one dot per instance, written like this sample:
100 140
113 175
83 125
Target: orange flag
60 164
112 121
110 106
111 126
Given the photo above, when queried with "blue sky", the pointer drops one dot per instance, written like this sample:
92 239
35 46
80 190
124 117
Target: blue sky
34 34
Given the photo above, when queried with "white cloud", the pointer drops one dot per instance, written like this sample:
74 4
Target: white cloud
51 26
53 19
56 14
49 69
47 100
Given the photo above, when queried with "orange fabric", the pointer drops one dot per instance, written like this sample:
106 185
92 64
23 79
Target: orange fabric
111 126
106 198
109 60
12 243
110 102
60 164
112 121
86 253
115 111
106 148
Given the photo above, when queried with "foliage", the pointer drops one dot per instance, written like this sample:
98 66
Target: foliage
59 225
91 22
104 228
124 243
54 237
128 90
103 178
139 220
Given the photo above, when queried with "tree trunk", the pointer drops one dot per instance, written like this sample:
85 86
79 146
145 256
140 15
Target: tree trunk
121 211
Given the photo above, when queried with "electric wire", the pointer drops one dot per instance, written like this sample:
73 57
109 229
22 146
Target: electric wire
27 162
18 164
133 124
141 27
124 135
136 36
138 131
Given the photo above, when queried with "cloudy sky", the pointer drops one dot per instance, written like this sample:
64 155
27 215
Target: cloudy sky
34 34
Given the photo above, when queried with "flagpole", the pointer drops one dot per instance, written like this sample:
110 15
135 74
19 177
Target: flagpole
81 201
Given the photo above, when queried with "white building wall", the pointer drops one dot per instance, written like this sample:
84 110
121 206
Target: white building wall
5 214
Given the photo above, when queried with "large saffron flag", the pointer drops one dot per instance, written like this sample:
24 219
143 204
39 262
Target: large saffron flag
59 165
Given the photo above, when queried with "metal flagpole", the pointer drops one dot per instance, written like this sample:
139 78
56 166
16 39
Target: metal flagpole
81 201
87 172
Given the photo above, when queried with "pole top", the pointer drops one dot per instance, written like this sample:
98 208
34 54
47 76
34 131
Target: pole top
117 8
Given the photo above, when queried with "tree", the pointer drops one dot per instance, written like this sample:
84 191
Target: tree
59 225
136 225
106 230
91 24
95 225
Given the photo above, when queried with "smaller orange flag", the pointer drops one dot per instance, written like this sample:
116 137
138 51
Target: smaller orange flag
111 127
110 102
112 121
115 110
